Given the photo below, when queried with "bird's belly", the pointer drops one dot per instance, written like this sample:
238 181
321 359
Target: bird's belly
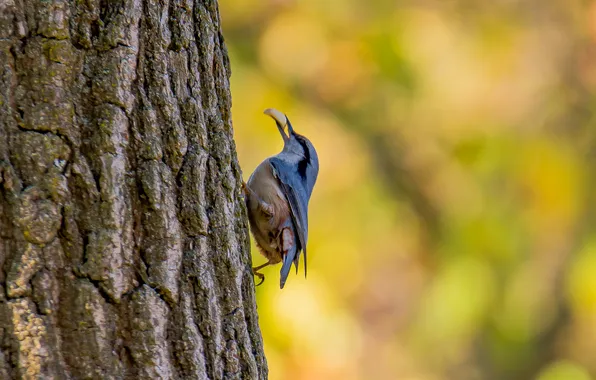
266 229
266 239
265 185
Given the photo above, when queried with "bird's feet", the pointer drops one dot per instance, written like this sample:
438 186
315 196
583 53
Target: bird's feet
260 276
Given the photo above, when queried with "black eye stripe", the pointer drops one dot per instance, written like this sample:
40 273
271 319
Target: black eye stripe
302 165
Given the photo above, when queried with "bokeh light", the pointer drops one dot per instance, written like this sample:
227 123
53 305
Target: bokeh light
453 225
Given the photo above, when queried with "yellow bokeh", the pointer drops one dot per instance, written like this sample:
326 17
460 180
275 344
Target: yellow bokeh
564 371
451 230
293 47
581 282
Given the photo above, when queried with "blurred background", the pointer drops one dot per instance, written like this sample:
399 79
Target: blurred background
453 225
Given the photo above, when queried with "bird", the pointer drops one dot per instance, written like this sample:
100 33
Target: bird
277 195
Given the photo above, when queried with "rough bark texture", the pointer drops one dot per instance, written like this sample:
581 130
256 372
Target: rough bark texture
123 239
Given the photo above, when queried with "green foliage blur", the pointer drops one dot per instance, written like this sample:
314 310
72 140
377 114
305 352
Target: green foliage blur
453 225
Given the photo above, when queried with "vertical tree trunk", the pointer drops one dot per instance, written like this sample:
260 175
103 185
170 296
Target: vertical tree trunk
123 238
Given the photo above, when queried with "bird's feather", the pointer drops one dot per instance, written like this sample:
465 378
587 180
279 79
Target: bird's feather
298 205
290 246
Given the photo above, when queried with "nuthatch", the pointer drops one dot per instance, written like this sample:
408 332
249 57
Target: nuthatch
277 196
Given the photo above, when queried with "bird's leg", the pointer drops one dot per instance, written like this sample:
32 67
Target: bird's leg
261 276
263 206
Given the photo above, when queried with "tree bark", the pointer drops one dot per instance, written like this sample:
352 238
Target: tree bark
123 237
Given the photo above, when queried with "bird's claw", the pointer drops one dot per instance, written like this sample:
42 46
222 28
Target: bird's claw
261 276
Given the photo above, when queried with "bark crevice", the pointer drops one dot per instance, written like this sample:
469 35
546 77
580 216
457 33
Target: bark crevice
123 236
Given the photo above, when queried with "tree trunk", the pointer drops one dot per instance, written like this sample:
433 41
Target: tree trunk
123 236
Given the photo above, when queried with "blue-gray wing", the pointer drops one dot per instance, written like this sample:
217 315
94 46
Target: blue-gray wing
298 201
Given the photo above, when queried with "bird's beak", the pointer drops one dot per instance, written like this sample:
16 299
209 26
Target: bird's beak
281 121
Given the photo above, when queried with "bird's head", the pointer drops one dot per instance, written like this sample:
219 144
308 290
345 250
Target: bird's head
298 150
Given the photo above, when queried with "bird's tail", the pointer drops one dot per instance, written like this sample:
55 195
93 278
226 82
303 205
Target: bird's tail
287 265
